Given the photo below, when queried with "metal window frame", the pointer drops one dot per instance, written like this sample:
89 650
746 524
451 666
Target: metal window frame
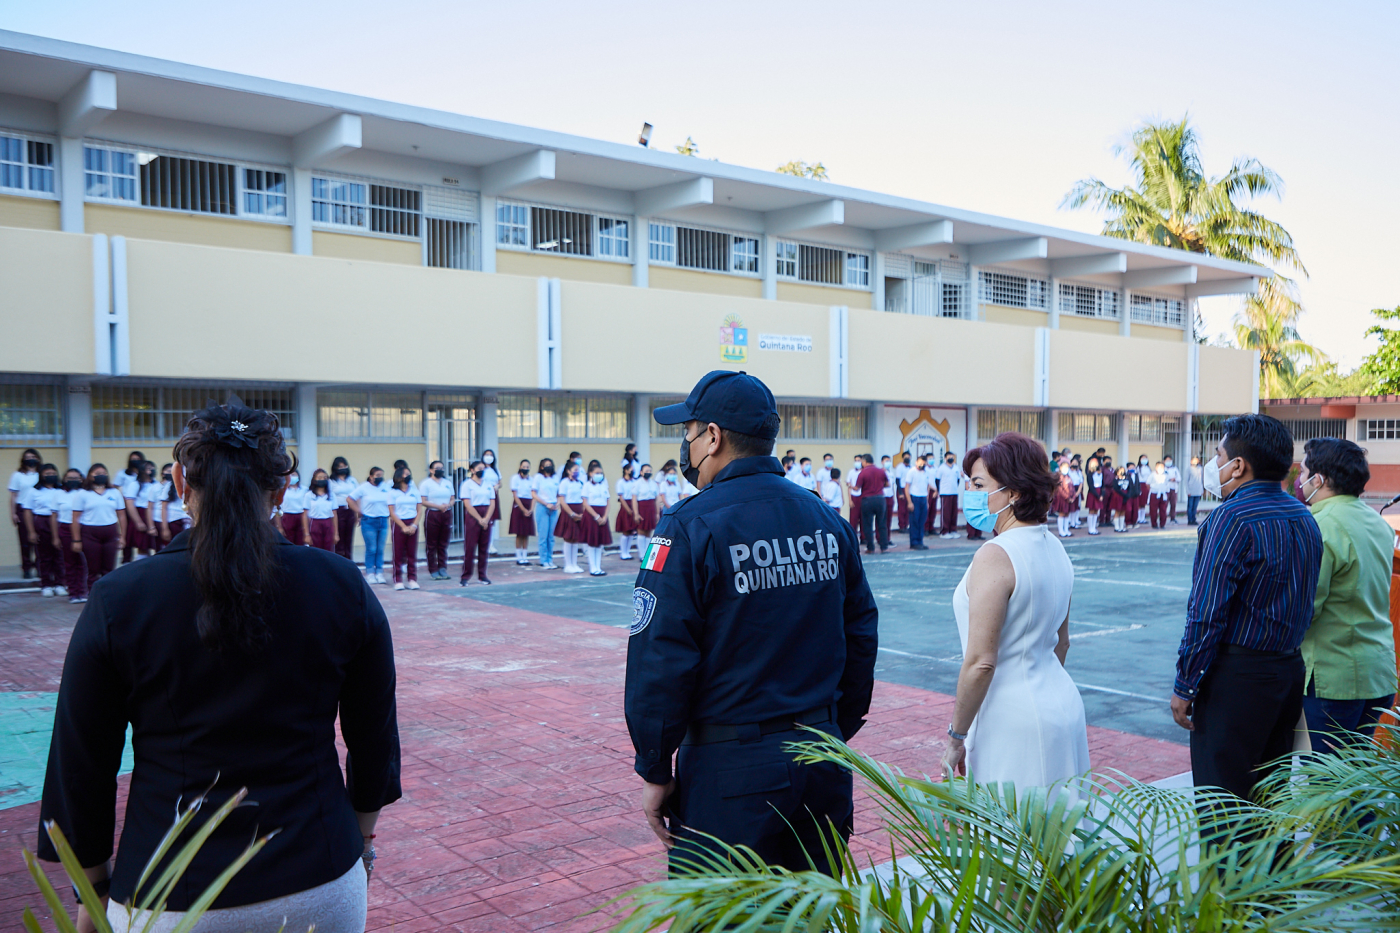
1102 299
503 410
788 253
673 247
240 167
997 286
622 243
370 437
657 244
27 168
246 192
368 182
839 414
135 176
1157 310
998 415
58 412
161 412
1381 429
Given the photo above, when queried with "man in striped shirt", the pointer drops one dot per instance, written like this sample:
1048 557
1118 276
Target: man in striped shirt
1239 680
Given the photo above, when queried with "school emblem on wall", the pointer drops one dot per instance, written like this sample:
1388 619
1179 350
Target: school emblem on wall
924 437
733 340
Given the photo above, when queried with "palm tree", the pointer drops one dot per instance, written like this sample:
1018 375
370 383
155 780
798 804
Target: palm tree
1267 323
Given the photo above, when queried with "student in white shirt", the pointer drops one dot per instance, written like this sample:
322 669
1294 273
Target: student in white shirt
669 487
341 485
438 496
522 507
478 512
853 494
74 564
37 504
492 477
544 490
804 477
406 514
293 499
370 500
129 482
1076 478
318 519
646 491
901 505
173 517
887 465
629 459
26 477
1158 493
140 517
628 518
594 525
1173 486
916 487
99 523
571 517
949 479
833 494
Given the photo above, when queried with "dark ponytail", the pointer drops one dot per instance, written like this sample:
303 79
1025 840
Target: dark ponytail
235 458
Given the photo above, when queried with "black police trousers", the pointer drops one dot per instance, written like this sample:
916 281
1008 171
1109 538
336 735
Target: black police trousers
754 794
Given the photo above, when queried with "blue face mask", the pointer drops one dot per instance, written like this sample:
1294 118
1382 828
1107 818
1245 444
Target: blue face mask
977 513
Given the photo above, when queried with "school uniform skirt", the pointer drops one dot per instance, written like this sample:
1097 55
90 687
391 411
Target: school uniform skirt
594 533
568 529
522 523
625 524
1093 501
646 508
1064 503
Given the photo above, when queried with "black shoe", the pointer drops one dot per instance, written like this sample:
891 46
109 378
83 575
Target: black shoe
918 547
870 550
485 582
29 575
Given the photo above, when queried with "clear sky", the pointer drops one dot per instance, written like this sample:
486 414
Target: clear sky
990 106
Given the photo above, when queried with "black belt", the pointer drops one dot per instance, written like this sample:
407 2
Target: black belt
1255 652
703 733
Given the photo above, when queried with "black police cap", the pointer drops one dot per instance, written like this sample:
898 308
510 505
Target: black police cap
734 401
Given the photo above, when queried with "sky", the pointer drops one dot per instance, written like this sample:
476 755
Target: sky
991 106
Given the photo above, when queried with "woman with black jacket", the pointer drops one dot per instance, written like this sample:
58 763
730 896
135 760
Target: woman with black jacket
230 653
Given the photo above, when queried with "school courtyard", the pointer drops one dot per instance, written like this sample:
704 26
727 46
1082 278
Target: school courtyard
520 808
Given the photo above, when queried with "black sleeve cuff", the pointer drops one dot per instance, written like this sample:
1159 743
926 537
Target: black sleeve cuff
654 772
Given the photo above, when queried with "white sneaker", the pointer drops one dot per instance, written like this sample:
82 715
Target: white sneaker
60 591
46 591
398 586
573 570
379 578
413 584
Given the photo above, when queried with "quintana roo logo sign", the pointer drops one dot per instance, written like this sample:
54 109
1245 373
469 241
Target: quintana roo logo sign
924 437
733 340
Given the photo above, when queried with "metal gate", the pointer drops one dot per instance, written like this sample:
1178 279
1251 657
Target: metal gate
453 438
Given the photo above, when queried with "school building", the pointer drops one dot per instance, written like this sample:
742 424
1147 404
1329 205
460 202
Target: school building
399 282
1373 421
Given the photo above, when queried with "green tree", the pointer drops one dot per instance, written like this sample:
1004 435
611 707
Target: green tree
1324 380
816 170
1268 323
1382 368
688 147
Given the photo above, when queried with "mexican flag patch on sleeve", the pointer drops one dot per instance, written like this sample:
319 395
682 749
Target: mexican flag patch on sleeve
655 556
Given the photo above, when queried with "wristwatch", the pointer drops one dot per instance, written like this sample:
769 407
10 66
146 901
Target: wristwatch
960 736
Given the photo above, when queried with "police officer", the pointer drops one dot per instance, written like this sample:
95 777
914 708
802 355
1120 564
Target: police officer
751 615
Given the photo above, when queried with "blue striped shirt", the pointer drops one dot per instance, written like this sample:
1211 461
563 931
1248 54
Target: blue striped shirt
1253 580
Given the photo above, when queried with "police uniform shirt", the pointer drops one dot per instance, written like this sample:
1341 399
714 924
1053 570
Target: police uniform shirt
319 506
437 491
99 508
916 481
645 489
405 504
750 604
596 494
572 491
340 489
374 500
292 501
476 495
546 487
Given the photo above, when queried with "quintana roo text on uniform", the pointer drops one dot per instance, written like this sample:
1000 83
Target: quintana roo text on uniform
809 559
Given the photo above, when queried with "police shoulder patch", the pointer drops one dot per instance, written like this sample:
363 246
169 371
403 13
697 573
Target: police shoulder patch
643 605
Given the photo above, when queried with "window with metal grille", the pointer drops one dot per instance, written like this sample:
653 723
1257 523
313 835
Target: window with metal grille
614 237
338 202
109 173
26 164
553 230
1081 426
181 184
1012 291
155 413
395 211
820 264
786 256
823 422
1088 301
449 243
1145 428
702 249
954 299
563 416
1381 429
994 421
31 413
512 224
664 430
1164 312
661 242
745 251
1308 429
355 414
858 270
264 192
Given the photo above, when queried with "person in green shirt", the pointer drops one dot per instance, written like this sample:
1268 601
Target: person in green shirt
1349 650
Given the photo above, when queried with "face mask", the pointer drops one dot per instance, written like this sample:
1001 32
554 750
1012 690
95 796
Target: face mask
133 466
377 480
828 464
477 474
524 471
977 513
858 464
49 479
30 462
72 484
885 465
1168 464
948 462
671 478
573 475
1308 500
319 484
646 476
807 470
546 470
341 471
165 477
296 480
488 459
100 480
439 472
689 471
1211 476
596 478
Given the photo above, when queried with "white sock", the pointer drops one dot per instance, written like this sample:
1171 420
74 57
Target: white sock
595 559
570 555
1093 522
624 546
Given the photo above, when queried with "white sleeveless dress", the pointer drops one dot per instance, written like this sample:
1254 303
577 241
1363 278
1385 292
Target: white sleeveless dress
1030 729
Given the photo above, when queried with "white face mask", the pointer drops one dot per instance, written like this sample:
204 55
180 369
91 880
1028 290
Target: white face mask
1309 499
488 459
1211 475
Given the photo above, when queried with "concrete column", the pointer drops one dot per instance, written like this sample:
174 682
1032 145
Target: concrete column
488 233
1052 304
1052 430
974 298
641 256
307 429
71 185
641 426
880 444
1122 457
877 281
77 422
971 440
1125 320
488 438
770 268
301 211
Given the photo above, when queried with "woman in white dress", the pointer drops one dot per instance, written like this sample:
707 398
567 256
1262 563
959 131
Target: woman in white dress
1018 716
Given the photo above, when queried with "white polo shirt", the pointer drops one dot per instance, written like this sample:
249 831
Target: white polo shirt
40 499
805 480
405 503
63 505
647 489
319 507
437 491
670 491
20 481
99 508
374 500
572 491
476 494
916 481
597 495
851 475
1173 478
340 489
522 486
948 478
129 483
546 487
174 509
626 489
831 492
292 501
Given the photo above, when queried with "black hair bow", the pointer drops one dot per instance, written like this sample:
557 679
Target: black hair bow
234 423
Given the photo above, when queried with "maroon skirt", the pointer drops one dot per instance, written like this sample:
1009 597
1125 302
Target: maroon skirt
625 524
646 508
143 540
1093 501
522 523
594 533
567 529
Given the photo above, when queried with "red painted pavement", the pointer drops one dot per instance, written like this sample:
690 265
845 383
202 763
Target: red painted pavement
520 805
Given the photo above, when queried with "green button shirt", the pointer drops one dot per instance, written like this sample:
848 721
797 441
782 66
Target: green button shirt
1350 648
